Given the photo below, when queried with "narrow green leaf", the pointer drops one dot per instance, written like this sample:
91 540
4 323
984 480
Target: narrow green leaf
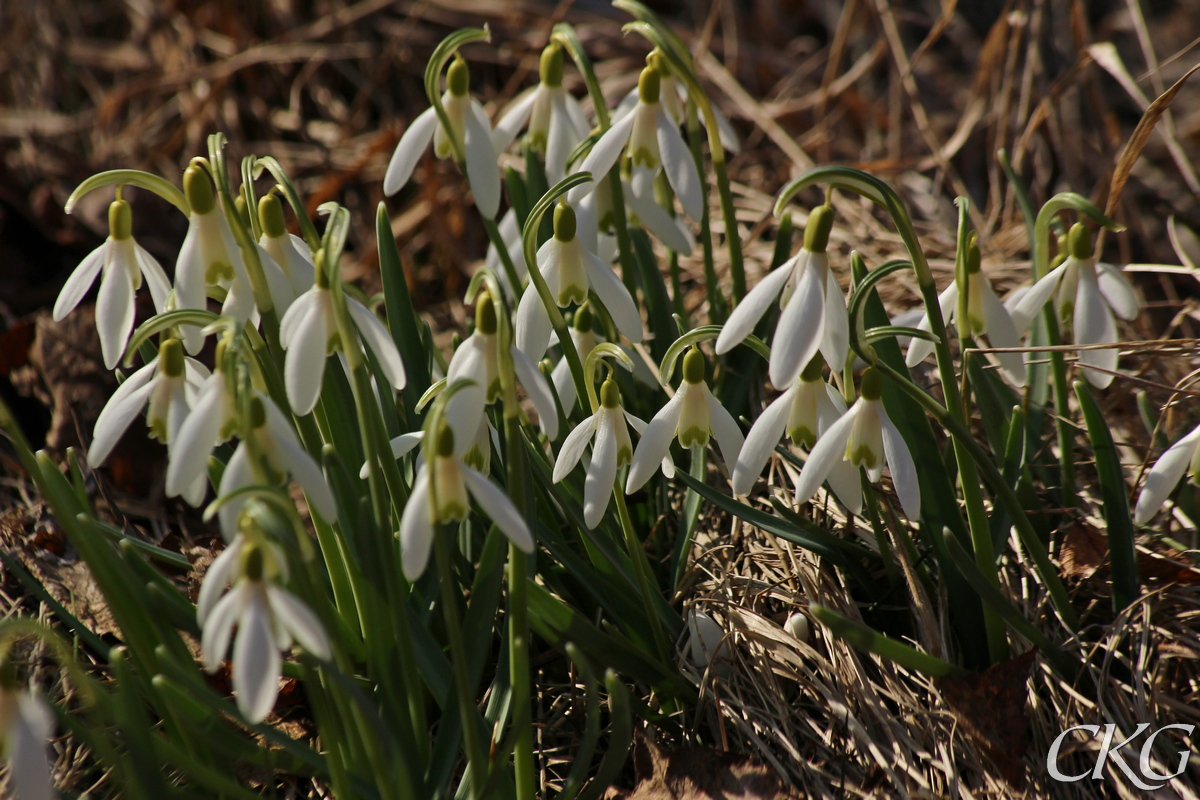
401 315
866 638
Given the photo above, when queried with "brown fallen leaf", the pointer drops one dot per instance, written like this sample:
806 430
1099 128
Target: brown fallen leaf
699 773
1085 551
990 707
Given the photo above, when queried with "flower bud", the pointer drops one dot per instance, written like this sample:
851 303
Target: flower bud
649 85
550 69
1079 242
564 222
693 366
199 190
610 394
170 358
816 234
458 77
270 216
485 316
797 626
120 220
871 387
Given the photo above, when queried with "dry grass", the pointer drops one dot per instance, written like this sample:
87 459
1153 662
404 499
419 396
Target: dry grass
921 97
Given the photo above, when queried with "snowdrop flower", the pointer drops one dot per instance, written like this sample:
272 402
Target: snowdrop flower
611 449
439 496
1087 295
1181 457
693 415
986 315
570 271
288 252
797 627
268 452
556 121
867 438
209 257
805 412
469 127
585 339
705 641
121 264
268 619
651 140
25 727
813 313
309 333
167 385
478 360
673 95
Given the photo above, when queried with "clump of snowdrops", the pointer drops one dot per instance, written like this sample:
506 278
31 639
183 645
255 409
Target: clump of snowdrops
463 511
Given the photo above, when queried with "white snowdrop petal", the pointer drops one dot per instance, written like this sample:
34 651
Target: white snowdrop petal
603 156
538 390
1118 291
756 302
29 769
573 447
409 150
602 473
218 628
900 462
80 280
1164 476
655 444
577 117
729 137
829 450
835 339
659 222
843 479
1035 297
299 621
531 326
193 443
560 141
513 120
280 288
294 316
379 339
216 578
1001 332
308 474
122 407
766 432
724 428
1094 324
114 311
416 528
483 172
798 334
304 364
256 662
615 296
679 166
156 278
919 349
496 504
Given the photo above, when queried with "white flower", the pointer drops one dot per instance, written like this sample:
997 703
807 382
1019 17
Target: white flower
986 316
585 340
208 257
287 252
652 140
813 315
805 412
673 95
611 449
121 263
556 121
276 452
865 437
268 619
478 360
309 333
168 385
694 416
797 627
25 727
469 126
1181 457
1086 295
444 499
570 271
705 640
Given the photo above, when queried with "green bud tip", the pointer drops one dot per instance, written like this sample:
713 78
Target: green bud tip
170 358
199 190
120 220
610 394
649 85
258 413
551 67
270 216
693 366
816 235
485 316
583 319
445 442
872 384
812 372
564 222
252 562
458 77
1079 242
974 259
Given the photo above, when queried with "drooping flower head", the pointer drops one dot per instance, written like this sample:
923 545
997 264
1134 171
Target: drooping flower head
556 120
570 271
1180 458
121 264
471 131
1086 295
693 416
672 94
286 250
813 310
608 431
865 437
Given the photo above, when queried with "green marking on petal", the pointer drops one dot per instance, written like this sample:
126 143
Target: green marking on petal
862 457
217 272
803 436
693 436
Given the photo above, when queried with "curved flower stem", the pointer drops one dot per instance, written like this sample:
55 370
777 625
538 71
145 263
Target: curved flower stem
130 177
641 566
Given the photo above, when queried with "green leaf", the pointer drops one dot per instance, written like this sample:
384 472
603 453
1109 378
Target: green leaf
866 638
401 315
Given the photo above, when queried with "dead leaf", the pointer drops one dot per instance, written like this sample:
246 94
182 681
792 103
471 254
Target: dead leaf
990 707
699 773
1083 552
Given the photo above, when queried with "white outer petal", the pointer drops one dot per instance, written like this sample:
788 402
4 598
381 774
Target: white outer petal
308 474
1035 297
900 462
829 450
514 119
538 390
114 309
156 279
679 166
379 339
238 473
79 281
304 364
1118 291
1164 476
299 621
280 288
615 296
724 428
835 340
766 432
256 663
602 157
495 504
483 171
409 150
561 139
1001 332
416 528
756 302
658 221
120 410
602 473
843 479
218 628
29 776
1094 324
655 444
798 334
194 442
295 314
531 327
573 447
919 349
216 578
